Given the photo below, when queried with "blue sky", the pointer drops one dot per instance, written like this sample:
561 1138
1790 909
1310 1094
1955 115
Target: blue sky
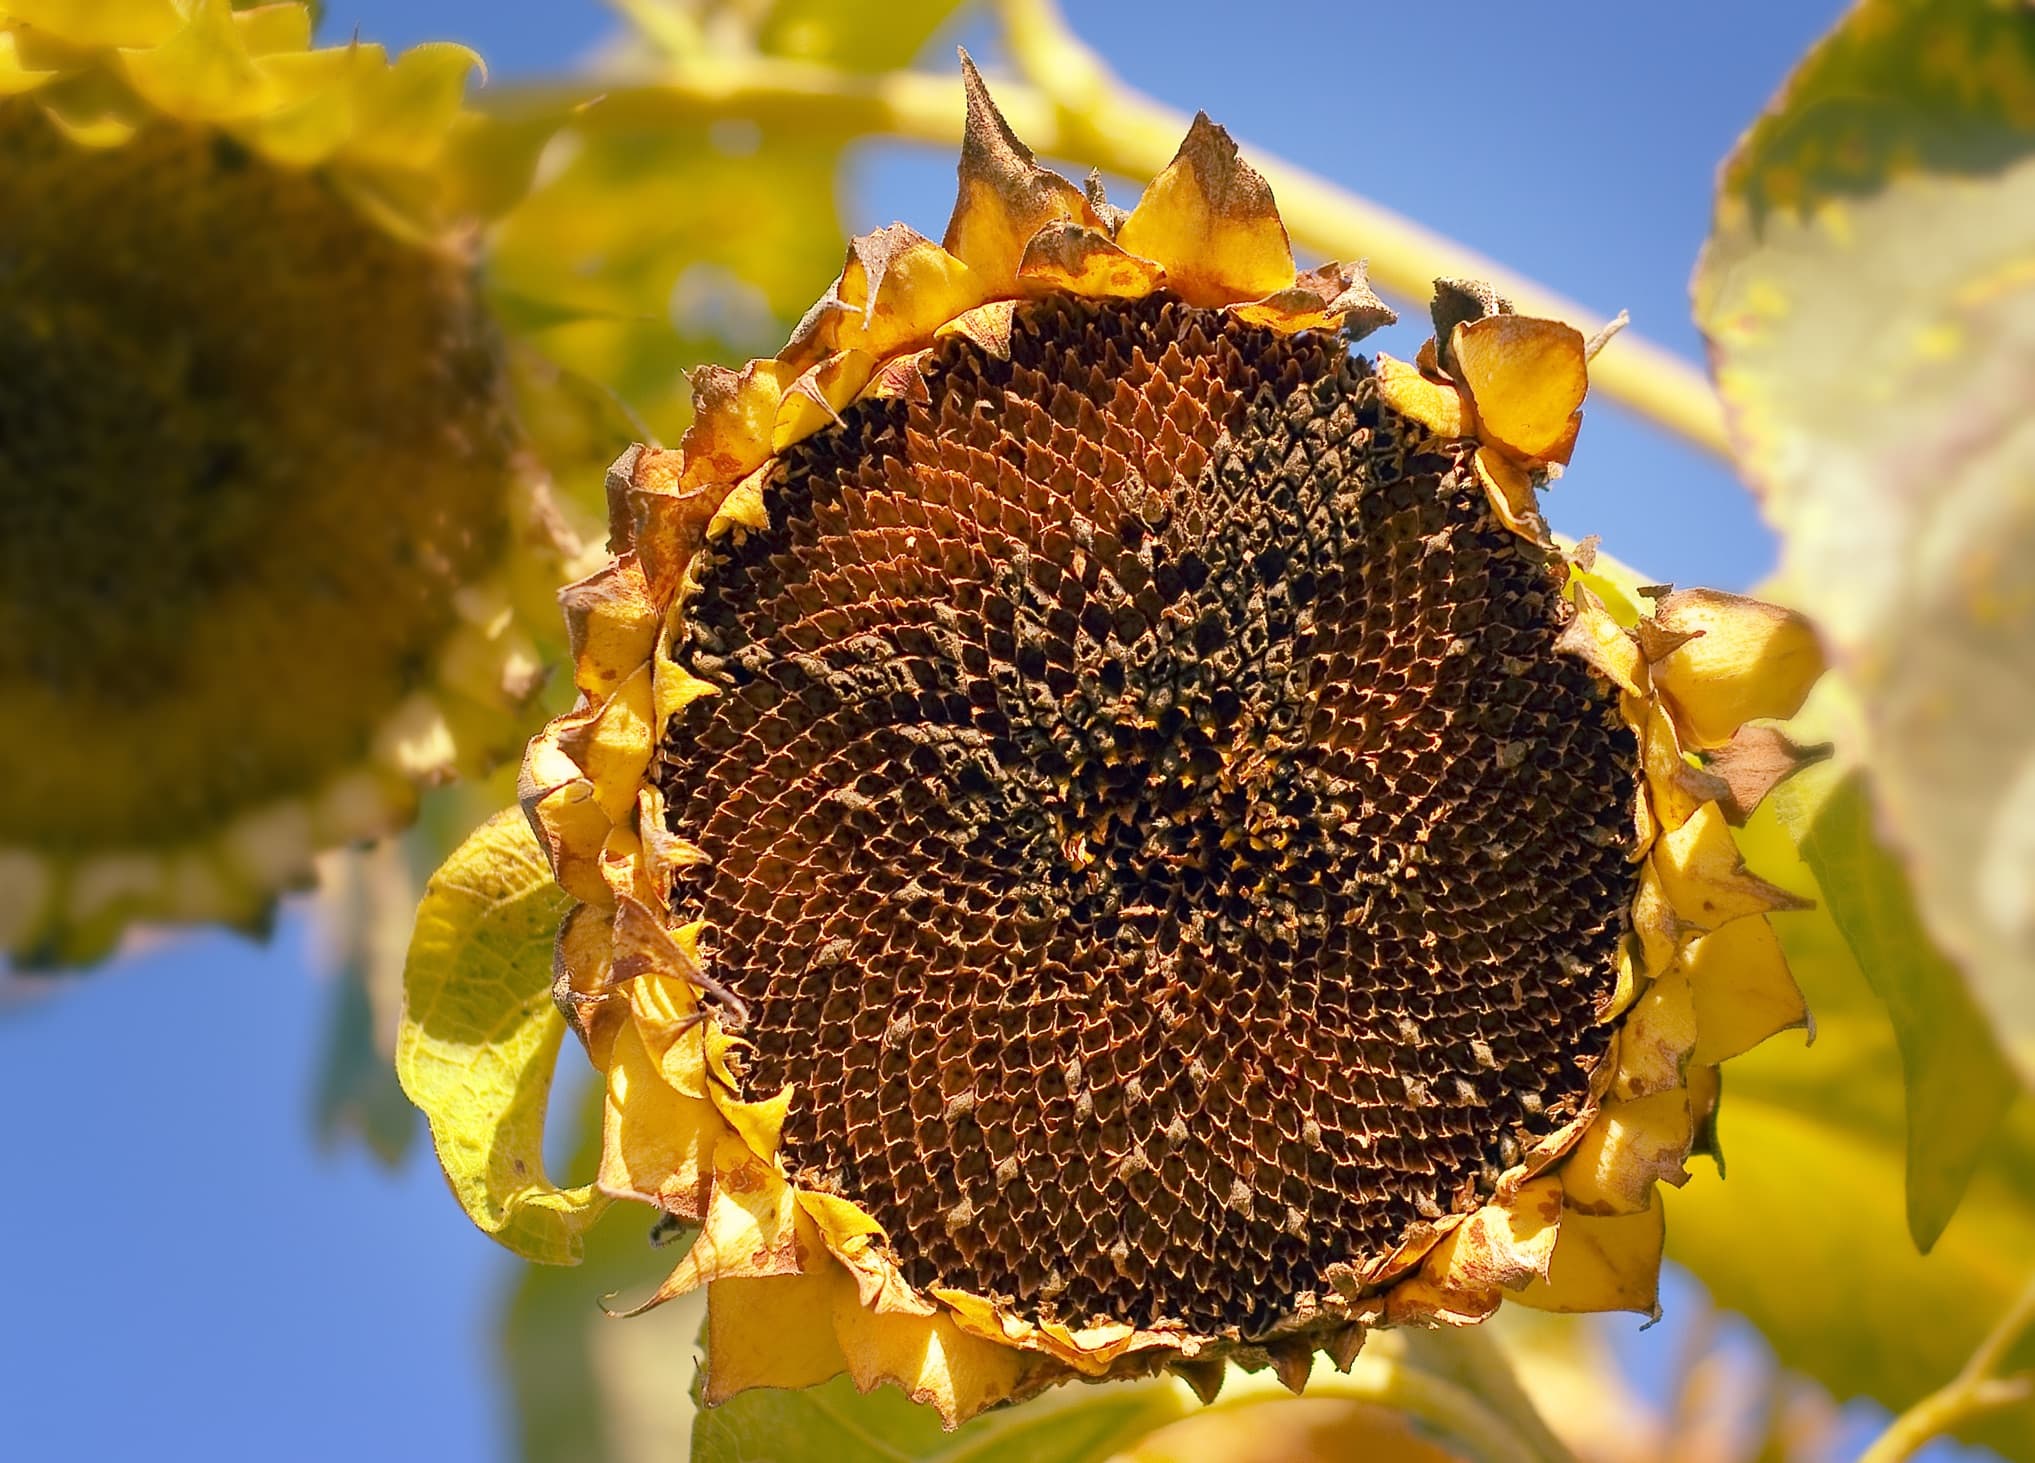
190 1276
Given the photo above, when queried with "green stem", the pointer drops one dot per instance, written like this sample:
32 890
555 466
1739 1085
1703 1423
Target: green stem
1972 1393
1102 120
1091 116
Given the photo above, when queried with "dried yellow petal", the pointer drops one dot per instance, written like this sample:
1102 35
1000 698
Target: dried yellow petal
1747 659
1528 378
1209 221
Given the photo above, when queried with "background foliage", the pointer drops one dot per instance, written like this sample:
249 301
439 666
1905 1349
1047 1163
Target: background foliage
1870 249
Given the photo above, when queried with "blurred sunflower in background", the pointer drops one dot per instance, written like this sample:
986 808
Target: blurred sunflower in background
274 514
1104 834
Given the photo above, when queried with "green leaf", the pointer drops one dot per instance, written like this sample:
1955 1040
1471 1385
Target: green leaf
1808 1237
833 1423
1871 317
367 900
662 242
480 1037
1958 1083
357 1094
665 240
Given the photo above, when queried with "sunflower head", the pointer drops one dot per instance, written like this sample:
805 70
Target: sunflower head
264 476
1106 834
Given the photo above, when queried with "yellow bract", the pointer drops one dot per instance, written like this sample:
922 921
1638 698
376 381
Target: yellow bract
1514 383
1007 202
1210 223
800 1284
1776 646
1528 378
104 71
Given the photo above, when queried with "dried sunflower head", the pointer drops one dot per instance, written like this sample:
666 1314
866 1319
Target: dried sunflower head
265 488
1108 837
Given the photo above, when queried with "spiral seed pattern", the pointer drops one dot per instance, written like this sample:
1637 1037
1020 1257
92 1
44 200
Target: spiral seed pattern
1148 819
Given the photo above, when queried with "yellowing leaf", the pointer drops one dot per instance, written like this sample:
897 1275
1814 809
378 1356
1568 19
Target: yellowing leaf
1807 1239
1473 1402
1870 307
1292 1430
1808 1236
660 242
480 1037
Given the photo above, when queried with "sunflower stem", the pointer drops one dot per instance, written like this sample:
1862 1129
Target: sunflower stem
1108 123
1972 1393
668 29
1071 106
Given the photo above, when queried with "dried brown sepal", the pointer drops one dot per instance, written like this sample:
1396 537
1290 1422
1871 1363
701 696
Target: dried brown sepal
1204 1377
1075 256
1322 299
1456 302
1753 763
1292 1361
1093 189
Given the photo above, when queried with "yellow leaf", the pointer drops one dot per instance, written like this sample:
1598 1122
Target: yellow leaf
480 1037
204 70
405 111
1867 299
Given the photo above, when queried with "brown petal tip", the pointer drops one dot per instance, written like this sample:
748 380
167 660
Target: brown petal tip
1292 1361
1098 199
1342 1347
1753 763
1456 302
1204 1377
1605 336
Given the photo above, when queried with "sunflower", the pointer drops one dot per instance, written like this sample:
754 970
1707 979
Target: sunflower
265 492
1106 836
